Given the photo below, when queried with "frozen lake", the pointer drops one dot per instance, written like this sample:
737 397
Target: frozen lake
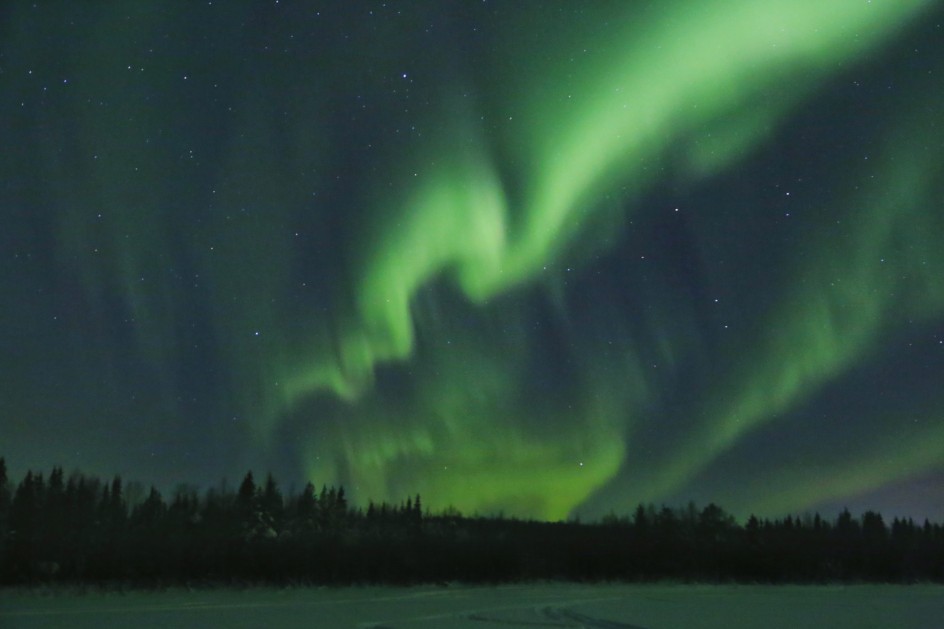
529 605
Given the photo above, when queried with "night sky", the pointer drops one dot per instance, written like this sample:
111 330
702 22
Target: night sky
541 257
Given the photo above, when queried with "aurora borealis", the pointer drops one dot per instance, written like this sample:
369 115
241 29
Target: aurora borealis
549 258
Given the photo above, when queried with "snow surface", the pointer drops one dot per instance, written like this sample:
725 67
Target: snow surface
611 606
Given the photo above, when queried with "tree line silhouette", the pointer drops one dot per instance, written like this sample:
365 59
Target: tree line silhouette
81 529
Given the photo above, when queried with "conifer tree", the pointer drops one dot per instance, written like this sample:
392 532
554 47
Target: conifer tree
272 505
640 521
150 512
5 499
24 507
246 498
305 508
116 509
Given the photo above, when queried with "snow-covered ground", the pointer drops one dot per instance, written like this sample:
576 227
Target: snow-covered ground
530 605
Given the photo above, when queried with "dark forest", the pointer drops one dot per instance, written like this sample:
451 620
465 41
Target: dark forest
83 530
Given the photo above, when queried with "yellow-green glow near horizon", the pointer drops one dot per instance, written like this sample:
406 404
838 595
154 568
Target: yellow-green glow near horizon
546 259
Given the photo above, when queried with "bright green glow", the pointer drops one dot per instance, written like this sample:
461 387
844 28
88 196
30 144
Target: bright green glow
463 467
694 67
656 89
478 466
464 435
457 219
698 65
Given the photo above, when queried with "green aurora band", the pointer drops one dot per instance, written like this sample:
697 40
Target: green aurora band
689 72
406 360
